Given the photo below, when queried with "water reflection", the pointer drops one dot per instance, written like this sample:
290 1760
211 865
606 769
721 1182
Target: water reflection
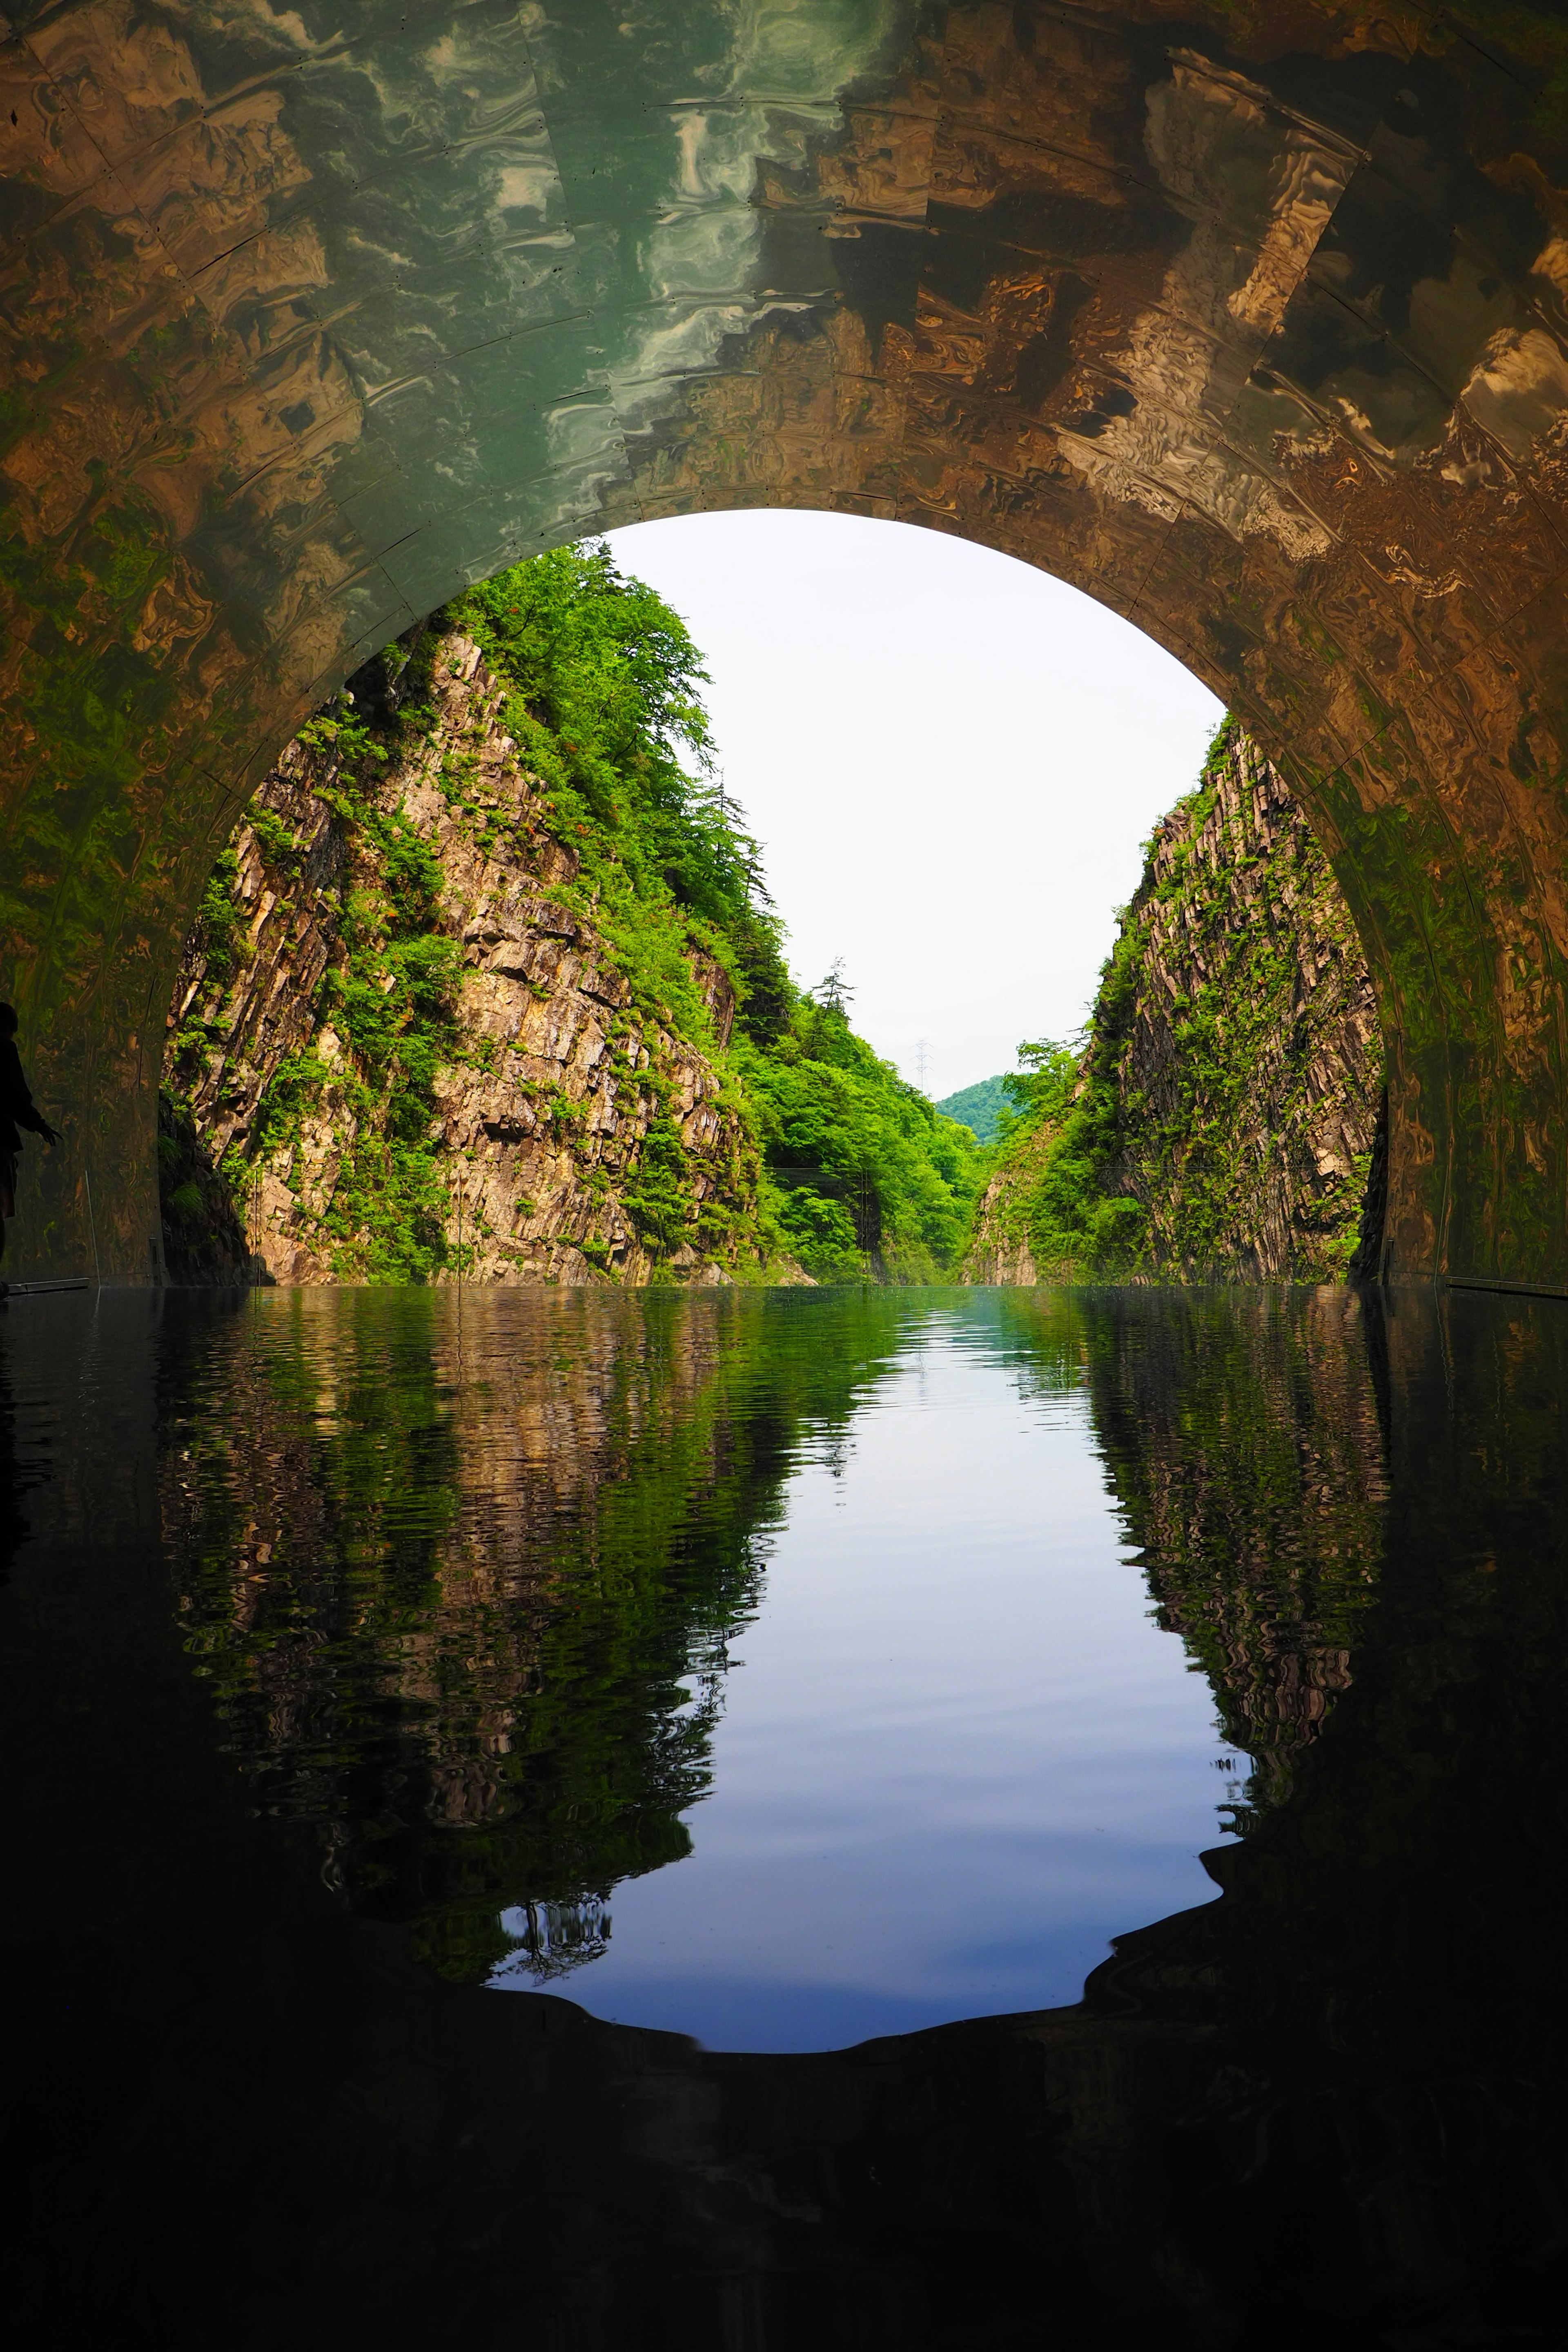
1331 2098
468 1578
1242 1435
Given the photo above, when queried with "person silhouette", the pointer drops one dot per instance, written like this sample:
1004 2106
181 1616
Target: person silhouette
18 1109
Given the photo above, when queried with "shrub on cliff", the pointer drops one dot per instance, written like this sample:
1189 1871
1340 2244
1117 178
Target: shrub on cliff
607 708
602 692
1216 1119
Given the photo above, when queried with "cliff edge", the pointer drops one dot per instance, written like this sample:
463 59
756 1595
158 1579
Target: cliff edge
1220 1121
397 1050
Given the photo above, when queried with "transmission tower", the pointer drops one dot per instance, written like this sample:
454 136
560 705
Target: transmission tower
922 1058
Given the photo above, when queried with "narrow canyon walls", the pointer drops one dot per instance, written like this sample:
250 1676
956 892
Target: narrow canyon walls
395 1051
1250 320
1228 1102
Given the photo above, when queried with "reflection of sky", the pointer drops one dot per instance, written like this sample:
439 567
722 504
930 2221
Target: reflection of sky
956 1754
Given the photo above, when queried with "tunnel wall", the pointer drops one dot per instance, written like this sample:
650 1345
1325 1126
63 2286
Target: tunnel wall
1252 321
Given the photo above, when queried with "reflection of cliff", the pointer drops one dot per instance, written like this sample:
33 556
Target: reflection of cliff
1348 2074
1240 1432
465 1573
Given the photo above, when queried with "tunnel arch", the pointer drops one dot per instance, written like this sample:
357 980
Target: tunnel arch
1248 317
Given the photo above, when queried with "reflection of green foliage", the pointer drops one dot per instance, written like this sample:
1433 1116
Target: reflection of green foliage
1241 1435
465 1588
496 1685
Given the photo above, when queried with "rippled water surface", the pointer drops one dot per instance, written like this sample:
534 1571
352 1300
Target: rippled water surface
780 1668
949 1751
1080 1772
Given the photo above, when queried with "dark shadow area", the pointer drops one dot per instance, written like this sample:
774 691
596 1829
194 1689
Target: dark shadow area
1329 2105
1366 1264
204 1239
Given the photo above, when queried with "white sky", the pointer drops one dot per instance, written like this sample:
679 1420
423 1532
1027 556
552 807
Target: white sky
950 759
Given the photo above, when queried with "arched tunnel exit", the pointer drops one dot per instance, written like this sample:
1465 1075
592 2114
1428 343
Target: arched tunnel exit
1249 322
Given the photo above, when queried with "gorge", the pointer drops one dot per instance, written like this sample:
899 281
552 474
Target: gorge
471 1003
645 1692
510 1005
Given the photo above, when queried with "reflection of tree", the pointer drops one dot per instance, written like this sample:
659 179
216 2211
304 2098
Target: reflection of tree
551 1939
1240 1431
475 1621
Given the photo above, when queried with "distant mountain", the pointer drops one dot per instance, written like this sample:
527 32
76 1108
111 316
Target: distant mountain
980 1108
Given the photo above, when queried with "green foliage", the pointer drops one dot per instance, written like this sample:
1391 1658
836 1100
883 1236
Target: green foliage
601 690
867 1175
220 924
606 710
658 1199
279 845
1101 1174
979 1107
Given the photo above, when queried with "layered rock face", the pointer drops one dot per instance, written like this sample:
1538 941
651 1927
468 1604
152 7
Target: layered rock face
1001 1250
1235 1061
1252 1064
544 1081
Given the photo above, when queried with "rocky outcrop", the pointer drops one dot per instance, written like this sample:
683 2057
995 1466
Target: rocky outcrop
1000 1250
1230 1094
287 1136
1252 1065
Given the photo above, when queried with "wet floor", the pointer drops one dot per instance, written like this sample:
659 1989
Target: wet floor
458 1749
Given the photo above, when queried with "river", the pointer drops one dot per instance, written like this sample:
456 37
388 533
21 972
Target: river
1110 1739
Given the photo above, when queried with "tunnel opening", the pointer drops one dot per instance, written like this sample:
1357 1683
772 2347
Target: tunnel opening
1255 333
966 831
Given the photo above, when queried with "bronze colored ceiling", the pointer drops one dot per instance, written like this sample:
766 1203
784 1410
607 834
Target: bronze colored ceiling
1250 318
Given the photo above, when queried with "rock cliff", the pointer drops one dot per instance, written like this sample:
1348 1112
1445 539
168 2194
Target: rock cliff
1224 1111
397 1048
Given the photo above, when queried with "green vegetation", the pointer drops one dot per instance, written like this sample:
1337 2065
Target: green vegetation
1147 1145
839 1165
480 1631
979 1107
604 704
861 1174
